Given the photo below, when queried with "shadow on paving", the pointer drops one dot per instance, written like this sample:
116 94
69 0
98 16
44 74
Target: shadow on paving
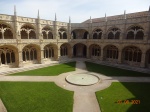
141 100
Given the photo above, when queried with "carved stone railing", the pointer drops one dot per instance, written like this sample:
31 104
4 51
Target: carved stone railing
63 40
29 41
49 40
79 40
7 41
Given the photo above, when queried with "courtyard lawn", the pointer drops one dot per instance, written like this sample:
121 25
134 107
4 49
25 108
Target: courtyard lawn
49 71
119 97
112 71
35 97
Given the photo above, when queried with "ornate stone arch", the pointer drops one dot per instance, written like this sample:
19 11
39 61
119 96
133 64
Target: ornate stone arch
9 56
113 33
32 53
65 49
80 34
135 32
97 33
132 55
94 51
50 51
62 33
80 50
47 32
110 53
6 31
28 31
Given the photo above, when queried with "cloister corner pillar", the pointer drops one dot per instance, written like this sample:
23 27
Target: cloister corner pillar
143 60
42 56
20 60
119 57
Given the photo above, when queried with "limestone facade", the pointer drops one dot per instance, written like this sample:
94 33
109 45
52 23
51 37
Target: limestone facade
122 39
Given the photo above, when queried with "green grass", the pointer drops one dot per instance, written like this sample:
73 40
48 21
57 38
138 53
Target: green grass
112 71
49 71
108 98
35 97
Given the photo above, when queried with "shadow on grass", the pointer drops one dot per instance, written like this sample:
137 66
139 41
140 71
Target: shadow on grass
122 96
125 97
112 71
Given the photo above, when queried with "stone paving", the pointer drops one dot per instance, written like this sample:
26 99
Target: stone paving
84 96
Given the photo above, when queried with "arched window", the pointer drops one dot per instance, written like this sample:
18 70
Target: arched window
114 33
48 51
44 34
5 32
97 34
111 35
62 33
29 53
63 50
135 32
95 50
8 34
27 32
32 35
7 56
50 35
112 52
47 33
24 34
132 54
73 35
86 34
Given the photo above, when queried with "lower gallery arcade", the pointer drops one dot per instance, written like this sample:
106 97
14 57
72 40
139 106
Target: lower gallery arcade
128 55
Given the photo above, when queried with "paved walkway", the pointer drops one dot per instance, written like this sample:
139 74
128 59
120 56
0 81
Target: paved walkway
84 96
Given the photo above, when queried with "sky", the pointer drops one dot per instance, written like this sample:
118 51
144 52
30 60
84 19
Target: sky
78 10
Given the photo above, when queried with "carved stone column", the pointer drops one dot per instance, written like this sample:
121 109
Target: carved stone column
143 60
102 55
119 57
20 64
42 56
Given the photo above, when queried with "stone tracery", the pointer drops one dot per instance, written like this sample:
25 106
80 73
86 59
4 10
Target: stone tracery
5 32
135 32
27 32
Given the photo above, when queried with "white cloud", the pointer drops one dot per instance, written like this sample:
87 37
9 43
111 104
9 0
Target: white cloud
79 10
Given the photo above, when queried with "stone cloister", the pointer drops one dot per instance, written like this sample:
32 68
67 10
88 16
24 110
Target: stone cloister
122 39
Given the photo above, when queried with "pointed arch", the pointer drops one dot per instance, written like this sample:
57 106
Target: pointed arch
135 32
113 33
28 31
97 33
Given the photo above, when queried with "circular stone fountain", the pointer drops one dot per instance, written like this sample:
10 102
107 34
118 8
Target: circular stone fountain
82 79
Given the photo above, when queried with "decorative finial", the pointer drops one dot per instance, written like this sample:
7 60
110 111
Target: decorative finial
55 17
38 14
69 19
90 19
105 17
15 13
124 14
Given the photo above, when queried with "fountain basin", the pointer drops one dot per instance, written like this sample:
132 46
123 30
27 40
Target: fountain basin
82 79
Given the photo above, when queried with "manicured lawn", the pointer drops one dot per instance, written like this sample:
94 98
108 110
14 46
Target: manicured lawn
50 71
35 97
112 71
126 92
